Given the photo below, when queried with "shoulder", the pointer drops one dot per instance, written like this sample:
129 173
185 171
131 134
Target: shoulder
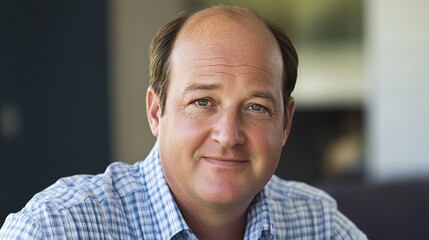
297 203
81 199
299 210
74 190
280 190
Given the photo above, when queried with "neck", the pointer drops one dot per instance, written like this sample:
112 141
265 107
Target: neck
216 223
213 219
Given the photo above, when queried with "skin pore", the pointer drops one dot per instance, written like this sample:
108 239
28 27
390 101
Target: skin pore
223 128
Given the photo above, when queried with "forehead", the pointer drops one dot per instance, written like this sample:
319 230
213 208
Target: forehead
217 38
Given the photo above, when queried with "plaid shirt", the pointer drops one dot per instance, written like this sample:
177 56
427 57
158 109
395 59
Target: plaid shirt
134 202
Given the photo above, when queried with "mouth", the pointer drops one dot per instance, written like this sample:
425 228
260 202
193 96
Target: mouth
227 162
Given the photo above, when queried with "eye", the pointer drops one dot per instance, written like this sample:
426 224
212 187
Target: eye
203 102
257 107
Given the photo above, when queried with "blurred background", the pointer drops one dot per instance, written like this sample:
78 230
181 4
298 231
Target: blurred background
74 74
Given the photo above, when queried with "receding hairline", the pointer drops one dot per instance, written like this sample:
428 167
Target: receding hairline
228 11
245 18
238 14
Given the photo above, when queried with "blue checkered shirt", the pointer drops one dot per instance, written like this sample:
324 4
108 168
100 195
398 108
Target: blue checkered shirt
135 202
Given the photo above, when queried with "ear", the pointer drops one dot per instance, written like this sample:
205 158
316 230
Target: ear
288 120
153 110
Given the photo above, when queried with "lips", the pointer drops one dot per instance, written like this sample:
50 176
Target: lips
222 161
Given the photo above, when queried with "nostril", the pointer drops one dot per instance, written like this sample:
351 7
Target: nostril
228 132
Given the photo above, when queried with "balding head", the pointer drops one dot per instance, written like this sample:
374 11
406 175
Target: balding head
213 25
220 21
230 12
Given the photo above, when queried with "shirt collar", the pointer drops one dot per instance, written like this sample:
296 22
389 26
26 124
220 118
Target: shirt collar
165 213
259 221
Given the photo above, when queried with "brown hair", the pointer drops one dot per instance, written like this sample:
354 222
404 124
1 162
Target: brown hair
163 43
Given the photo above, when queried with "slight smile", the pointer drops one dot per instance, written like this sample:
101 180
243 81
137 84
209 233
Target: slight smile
222 161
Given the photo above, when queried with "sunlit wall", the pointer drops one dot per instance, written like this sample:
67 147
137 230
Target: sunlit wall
397 57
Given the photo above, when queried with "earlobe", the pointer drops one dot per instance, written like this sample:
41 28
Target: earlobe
153 111
288 120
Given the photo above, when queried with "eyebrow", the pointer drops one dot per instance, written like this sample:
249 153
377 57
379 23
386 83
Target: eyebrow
264 94
202 86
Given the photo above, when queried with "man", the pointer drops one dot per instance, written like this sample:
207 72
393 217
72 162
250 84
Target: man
219 104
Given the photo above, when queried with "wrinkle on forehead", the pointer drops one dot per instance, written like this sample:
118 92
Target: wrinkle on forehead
236 66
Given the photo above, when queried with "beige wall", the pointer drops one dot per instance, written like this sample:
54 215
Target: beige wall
397 57
133 23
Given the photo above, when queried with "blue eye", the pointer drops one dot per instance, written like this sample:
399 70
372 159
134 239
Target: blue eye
202 102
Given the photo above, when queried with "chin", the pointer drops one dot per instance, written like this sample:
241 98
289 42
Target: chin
227 193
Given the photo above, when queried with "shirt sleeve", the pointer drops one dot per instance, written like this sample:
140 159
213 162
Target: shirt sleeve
18 226
344 229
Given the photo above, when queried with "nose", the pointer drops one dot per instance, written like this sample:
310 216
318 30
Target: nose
228 129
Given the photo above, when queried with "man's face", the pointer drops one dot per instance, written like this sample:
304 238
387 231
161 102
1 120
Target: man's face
221 135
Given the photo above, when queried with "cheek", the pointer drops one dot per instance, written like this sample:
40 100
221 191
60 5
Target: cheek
190 129
269 135
182 137
182 133
267 145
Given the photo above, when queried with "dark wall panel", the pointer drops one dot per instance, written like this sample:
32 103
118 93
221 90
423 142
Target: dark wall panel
53 93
